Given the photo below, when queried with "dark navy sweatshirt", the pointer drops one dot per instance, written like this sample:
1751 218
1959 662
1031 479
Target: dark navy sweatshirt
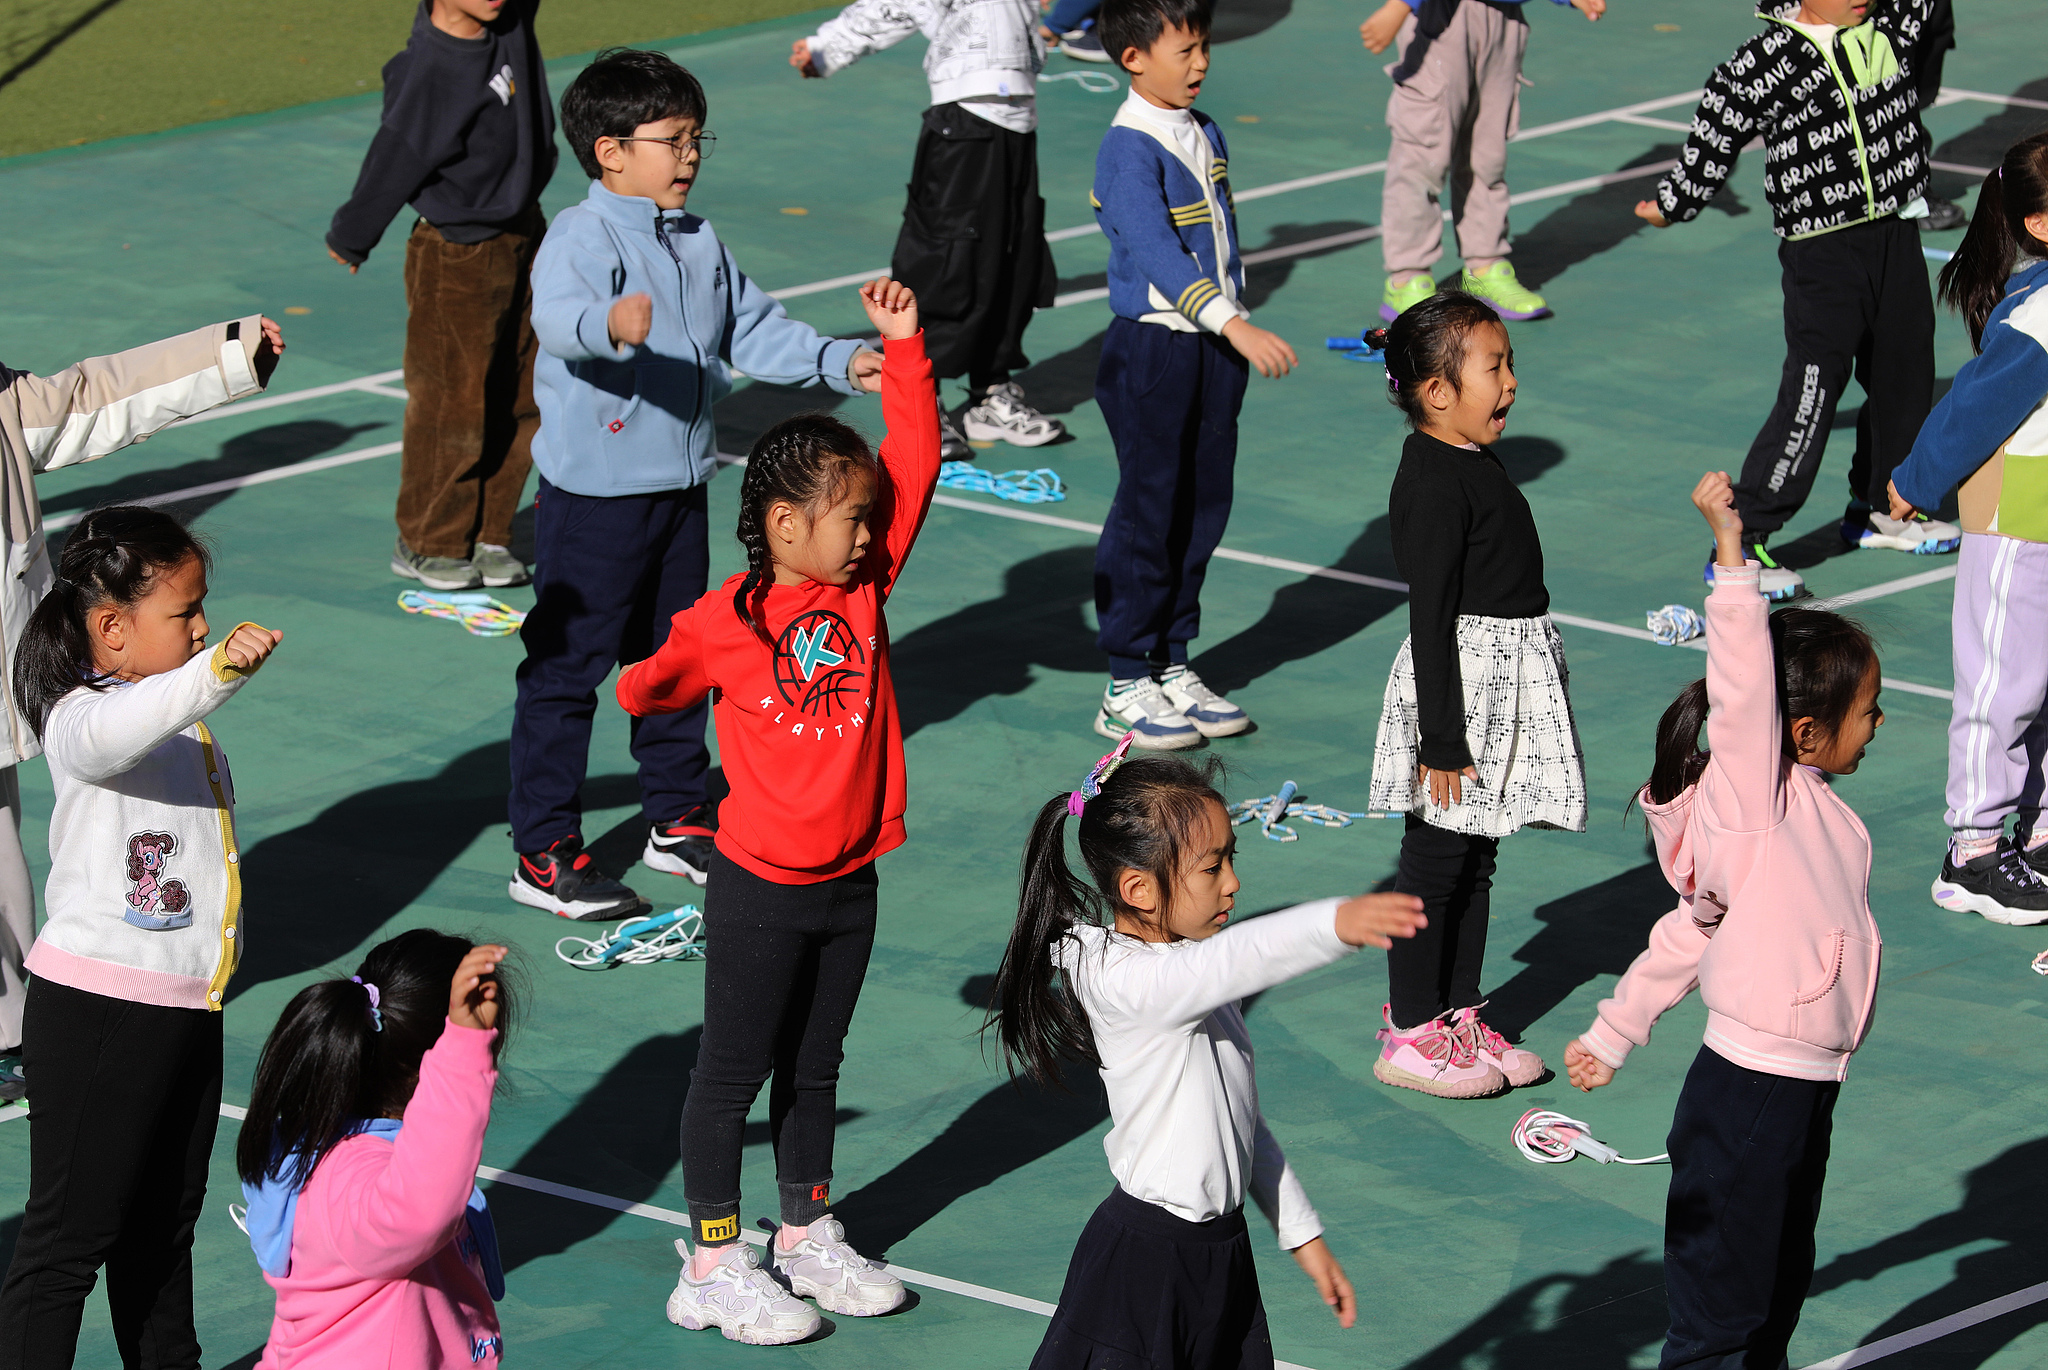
468 137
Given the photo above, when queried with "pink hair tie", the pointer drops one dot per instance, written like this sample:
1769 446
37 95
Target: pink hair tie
376 1003
1099 777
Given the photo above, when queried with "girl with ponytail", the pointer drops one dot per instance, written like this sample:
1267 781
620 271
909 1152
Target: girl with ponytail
358 1158
1989 435
1135 971
121 1032
796 653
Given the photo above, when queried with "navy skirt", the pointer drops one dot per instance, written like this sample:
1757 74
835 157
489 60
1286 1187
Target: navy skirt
1149 1291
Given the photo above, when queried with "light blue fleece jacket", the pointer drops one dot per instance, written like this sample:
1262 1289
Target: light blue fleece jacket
637 420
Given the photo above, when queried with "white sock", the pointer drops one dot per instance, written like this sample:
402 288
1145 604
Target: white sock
1970 848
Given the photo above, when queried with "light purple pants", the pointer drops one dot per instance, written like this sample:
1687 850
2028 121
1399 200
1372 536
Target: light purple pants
1998 730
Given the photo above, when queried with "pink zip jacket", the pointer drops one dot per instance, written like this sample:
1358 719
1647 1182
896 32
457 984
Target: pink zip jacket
378 1280
1773 875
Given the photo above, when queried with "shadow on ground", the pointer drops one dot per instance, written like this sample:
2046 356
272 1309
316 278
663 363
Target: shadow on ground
245 454
1598 1321
1591 932
2002 1203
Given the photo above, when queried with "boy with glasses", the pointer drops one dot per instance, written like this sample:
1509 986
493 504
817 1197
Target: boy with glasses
642 317
468 140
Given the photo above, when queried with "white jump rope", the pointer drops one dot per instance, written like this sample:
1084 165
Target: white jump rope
1548 1138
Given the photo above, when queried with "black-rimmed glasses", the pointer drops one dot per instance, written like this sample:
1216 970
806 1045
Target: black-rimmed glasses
682 146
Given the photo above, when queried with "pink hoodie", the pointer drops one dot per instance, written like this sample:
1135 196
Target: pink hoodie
1773 875
377 1280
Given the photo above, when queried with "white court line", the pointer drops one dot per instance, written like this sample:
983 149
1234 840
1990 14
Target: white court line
374 384
1950 94
1889 587
921 1278
218 487
1958 166
1941 1327
1321 178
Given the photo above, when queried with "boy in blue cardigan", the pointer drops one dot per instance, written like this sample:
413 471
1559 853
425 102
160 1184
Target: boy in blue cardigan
641 315
1172 378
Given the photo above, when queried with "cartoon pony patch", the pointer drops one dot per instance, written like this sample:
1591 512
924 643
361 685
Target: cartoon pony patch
155 902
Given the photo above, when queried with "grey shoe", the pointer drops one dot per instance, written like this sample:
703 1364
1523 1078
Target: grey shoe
952 443
436 573
498 566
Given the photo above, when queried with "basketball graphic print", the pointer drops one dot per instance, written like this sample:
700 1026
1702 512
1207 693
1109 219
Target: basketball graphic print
820 666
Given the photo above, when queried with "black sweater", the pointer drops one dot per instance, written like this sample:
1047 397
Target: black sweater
468 137
1466 543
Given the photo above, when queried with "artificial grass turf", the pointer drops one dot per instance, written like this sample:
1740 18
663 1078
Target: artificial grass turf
77 71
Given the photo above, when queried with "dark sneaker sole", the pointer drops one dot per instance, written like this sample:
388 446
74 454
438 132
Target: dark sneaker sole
578 910
1952 896
672 863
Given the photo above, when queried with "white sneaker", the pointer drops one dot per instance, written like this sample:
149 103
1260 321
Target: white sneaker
1003 416
741 1300
823 1267
952 446
1211 713
1917 534
1140 706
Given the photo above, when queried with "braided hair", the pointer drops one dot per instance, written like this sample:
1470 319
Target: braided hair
806 461
114 556
1427 342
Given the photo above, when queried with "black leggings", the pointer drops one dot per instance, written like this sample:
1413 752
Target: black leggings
1438 969
125 1099
783 967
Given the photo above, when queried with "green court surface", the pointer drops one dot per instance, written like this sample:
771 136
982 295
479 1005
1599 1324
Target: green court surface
371 756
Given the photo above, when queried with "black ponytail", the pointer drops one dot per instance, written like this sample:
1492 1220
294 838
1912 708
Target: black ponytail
335 1058
806 461
113 556
1143 820
1973 281
1822 661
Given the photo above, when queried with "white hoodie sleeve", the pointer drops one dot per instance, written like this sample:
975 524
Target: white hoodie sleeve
1198 978
94 737
867 26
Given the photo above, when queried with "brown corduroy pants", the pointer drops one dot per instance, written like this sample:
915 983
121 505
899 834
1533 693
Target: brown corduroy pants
469 413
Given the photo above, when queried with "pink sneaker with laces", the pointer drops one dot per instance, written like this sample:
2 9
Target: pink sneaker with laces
1437 1059
1519 1066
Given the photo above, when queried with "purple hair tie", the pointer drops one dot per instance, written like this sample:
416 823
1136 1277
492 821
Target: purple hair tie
1099 777
376 1000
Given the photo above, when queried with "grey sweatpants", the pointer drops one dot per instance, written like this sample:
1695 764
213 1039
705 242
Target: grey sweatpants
1998 724
1453 118
17 910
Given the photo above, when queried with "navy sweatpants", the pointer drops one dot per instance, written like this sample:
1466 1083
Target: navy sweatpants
609 574
1749 1154
1171 401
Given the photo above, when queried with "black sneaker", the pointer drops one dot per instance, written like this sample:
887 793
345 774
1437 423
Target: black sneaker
564 882
1083 45
2001 884
684 846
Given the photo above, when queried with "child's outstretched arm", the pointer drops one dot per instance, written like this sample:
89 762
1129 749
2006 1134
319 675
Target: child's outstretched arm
770 346
1654 984
1744 779
98 738
910 446
863 27
674 678
1724 121
102 404
1994 393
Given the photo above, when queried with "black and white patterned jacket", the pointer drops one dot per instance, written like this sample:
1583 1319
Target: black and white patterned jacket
1841 130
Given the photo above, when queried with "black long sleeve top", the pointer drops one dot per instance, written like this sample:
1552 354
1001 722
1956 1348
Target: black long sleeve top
468 136
1466 543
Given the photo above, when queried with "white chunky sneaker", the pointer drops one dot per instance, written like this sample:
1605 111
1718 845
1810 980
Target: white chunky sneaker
1921 534
1003 416
741 1300
823 1267
1139 706
1211 713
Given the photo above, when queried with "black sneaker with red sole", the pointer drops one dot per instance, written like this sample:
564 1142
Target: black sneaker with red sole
684 847
563 881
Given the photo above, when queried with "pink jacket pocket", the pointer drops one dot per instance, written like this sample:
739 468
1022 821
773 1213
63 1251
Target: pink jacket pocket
1830 1012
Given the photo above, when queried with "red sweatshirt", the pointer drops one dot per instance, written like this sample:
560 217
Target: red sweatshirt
807 730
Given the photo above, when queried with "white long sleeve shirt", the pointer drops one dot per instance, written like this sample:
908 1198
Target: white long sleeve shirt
1177 1063
985 54
145 889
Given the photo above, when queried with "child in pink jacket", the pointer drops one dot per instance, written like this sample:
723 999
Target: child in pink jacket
359 1160
1774 927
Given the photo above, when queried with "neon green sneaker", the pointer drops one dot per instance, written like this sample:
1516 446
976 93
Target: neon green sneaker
1397 299
1509 297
